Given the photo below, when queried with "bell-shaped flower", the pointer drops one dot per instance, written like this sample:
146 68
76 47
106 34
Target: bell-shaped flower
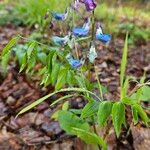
60 40
92 53
105 38
60 16
75 63
89 4
82 31
75 5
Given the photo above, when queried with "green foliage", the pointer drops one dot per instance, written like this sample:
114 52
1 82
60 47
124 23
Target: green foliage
118 116
142 94
138 111
90 138
39 101
56 71
123 65
90 109
76 126
104 111
33 11
5 56
68 121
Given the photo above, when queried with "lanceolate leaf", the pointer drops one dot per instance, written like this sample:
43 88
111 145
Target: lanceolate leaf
30 50
118 116
49 61
135 115
68 121
141 113
145 93
90 138
24 62
90 109
124 62
54 73
61 99
61 78
8 47
39 101
104 112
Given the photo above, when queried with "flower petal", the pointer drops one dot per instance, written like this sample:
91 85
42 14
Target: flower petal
60 40
105 38
92 54
89 4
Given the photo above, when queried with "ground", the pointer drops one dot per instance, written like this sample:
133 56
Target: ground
35 129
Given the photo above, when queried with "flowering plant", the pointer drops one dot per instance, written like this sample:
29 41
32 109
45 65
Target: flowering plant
66 63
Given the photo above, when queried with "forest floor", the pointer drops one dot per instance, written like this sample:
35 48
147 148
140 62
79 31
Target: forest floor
35 129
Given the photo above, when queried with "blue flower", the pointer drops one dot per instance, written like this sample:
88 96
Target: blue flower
105 38
75 63
60 40
82 31
60 16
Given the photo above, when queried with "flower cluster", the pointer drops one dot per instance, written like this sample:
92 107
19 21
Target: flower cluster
80 31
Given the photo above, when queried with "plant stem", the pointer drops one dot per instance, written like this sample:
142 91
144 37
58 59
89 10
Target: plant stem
73 23
92 41
93 25
99 84
95 131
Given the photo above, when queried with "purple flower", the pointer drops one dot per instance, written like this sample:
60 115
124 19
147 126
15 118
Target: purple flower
82 31
60 16
89 4
105 38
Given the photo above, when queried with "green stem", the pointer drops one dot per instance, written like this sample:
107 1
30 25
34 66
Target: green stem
92 41
99 84
93 26
95 131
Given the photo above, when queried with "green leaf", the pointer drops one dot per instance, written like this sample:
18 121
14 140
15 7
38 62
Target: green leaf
55 115
128 101
118 116
76 111
62 99
123 63
141 113
125 88
70 78
42 57
4 63
55 72
90 109
135 115
68 121
90 138
104 112
65 106
30 50
145 93
24 62
49 61
80 81
61 78
8 47
39 101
